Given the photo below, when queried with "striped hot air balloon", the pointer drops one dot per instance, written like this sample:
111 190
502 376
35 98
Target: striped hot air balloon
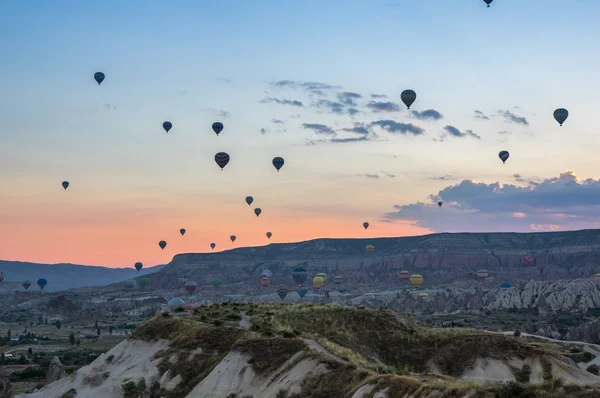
416 280
282 291
405 275
560 115
265 282
528 261
370 249
222 159
338 280
408 97
482 274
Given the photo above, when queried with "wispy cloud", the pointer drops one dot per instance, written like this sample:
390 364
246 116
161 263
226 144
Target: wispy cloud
512 118
282 101
374 176
388 174
383 106
277 121
394 127
315 88
378 96
454 132
429 114
318 128
447 177
348 98
222 79
220 112
481 115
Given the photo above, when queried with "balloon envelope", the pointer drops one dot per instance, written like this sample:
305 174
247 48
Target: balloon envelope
504 155
233 238
42 282
215 282
302 290
505 285
217 127
222 159
408 97
440 204
138 266
560 115
366 225
318 281
65 184
26 284
99 77
265 281
167 126
282 291
278 162
162 244
190 286
175 303
269 235
249 200
212 245
182 231
299 275
370 248
416 280
257 211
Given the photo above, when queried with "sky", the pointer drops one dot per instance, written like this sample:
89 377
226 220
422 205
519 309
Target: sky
315 82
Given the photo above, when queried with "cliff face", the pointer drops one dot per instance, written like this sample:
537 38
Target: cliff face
439 257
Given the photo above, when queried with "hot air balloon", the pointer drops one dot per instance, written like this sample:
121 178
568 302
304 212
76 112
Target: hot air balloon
182 231
167 126
282 291
233 238
162 244
440 204
423 295
249 200
217 127
213 245
488 2
215 282
370 249
138 266
597 277
278 162
267 273
129 284
265 282
366 225
505 285
503 155
405 275
65 184
222 159
42 282
416 280
528 261
482 274
302 290
338 280
408 97
257 211
299 275
318 281
99 77
322 275
175 303
26 284
143 282
560 115
190 286
269 235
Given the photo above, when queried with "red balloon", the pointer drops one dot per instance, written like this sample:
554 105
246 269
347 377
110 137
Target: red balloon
528 261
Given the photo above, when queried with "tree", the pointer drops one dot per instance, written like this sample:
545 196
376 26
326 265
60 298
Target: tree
110 329
98 331
30 351
96 325
2 360
72 338
58 324
8 334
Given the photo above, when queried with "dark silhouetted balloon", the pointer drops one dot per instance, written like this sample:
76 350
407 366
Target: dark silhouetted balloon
257 211
138 266
162 244
488 2
42 282
560 115
282 291
278 162
440 204
408 97
65 184
26 284
167 126
222 159
233 238
249 200
212 245
182 231
299 275
503 155
366 225
269 235
99 77
302 290
338 280
217 127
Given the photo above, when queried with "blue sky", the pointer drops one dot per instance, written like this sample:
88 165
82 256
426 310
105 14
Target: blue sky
195 62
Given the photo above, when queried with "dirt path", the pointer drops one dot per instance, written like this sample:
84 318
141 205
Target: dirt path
245 322
319 348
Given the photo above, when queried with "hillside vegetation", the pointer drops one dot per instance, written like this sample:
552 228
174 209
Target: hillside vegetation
302 351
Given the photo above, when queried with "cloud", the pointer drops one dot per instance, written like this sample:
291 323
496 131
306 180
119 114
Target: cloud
222 79
398 128
220 112
312 87
277 121
378 96
512 118
352 111
349 139
332 106
383 106
447 177
358 128
263 131
375 176
282 101
481 115
110 107
563 202
429 114
504 132
348 98
518 178
318 128
388 174
453 131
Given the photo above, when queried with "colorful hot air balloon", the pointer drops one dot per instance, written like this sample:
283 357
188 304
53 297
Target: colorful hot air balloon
233 238
503 155
215 282
405 275
423 295
322 275
278 162
440 204
99 77
267 273
282 291
416 280
528 261
299 275
26 284
366 225
190 286
408 97
482 274
597 277
42 282
488 2
265 282
257 211
175 303
213 245
269 235
505 285
301 290
143 282
138 266
318 281
65 184
167 126
222 158
370 249
338 280
560 115
249 200
162 244
182 231
217 127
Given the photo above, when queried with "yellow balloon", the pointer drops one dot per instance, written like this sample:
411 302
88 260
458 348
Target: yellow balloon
370 248
318 281
416 280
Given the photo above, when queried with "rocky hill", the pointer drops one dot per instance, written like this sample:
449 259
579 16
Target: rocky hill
440 258
63 276
302 351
